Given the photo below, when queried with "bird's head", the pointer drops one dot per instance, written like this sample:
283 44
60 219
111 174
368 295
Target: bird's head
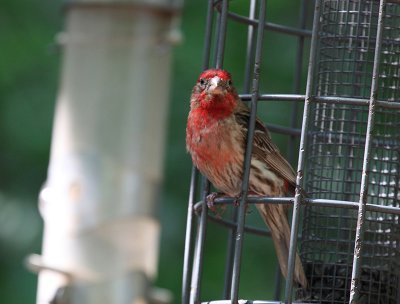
214 82
214 89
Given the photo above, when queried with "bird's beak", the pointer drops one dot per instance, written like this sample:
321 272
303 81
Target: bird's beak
217 86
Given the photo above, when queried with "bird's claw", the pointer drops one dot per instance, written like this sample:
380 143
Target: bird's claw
211 198
211 205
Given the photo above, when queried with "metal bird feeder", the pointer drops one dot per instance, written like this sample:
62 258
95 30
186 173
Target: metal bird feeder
349 159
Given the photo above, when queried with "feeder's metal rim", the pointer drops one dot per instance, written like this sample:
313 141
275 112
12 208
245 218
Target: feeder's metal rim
323 99
250 302
267 25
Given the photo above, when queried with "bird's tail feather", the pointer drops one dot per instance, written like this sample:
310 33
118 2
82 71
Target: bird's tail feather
276 219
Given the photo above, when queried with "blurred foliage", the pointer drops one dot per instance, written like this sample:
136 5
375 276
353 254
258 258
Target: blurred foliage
29 72
28 83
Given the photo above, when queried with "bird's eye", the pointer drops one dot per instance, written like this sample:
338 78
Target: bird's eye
202 82
229 82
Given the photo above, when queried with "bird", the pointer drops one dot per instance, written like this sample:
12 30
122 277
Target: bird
216 136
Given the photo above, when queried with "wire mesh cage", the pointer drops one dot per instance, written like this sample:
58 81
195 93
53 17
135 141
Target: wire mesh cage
348 163
336 148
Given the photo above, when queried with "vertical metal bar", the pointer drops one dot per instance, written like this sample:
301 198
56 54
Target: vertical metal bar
297 79
301 161
358 246
232 232
295 110
350 162
250 46
188 239
229 258
192 294
249 148
223 18
217 31
208 35
195 288
222 35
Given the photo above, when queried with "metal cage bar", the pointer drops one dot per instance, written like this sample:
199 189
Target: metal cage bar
338 146
247 159
355 292
246 88
343 150
191 288
199 245
302 153
188 253
188 239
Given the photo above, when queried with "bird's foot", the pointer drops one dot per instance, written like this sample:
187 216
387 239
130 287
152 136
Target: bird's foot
211 198
217 209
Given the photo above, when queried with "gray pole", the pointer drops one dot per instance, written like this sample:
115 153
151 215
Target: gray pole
101 235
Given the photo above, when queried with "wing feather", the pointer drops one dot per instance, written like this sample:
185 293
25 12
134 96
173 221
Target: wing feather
263 147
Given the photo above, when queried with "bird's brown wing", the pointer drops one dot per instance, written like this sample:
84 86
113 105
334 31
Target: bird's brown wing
263 147
275 216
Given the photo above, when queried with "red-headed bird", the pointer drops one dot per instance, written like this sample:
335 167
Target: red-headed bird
216 135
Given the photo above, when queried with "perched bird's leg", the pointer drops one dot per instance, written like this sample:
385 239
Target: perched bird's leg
211 198
211 205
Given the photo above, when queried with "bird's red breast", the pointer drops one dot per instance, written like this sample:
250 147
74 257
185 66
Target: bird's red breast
213 101
209 134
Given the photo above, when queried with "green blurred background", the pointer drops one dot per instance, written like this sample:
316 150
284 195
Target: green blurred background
29 72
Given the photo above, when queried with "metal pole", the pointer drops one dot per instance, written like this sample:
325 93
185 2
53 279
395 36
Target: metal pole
195 287
250 47
355 276
295 109
249 147
106 161
187 285
302 152
297 79
247 78
188 239
222 35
